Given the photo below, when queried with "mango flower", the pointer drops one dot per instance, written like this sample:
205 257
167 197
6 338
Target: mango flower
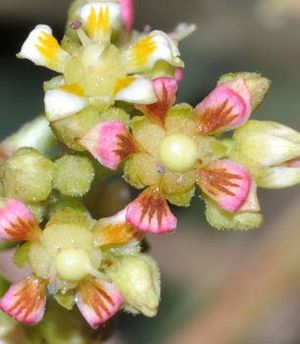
171 149
99 73
70 260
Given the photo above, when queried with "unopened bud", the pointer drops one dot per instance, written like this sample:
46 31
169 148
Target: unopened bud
138 280
28 176
267 143
73 175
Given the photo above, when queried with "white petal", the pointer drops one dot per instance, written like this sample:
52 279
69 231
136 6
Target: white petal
43 49
60 104
100 18
149 49
138 91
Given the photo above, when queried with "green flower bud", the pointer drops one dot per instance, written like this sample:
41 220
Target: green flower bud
223 220
266 143
74 175
258 85
138 280
28 176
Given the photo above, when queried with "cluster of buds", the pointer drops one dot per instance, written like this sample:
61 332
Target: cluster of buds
112 110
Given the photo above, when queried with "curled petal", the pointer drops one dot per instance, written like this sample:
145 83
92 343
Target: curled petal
227 183
227 107
151 48
165 89
25 301
128 14
99 18
43 49
109 143
136 90
150 213
98 301
115 231
17 223
64 101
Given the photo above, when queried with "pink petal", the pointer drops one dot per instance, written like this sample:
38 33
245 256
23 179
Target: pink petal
227 107
128 13
98 301
165 89
109 143
150 213
227 183
25 301
17 223
179 74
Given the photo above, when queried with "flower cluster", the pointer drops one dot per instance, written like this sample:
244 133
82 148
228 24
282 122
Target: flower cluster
112 109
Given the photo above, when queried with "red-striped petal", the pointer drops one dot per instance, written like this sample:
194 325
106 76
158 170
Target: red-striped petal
227 107
150 212
98 301
17 223
127 13
165 89
110 143
227 183
25 301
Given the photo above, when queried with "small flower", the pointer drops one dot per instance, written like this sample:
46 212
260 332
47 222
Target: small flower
171 148
71 256
99 73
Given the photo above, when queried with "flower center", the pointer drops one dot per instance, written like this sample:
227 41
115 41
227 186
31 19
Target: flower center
73 264
178 152
96 69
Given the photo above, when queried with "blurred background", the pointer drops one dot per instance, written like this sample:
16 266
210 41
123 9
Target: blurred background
218 287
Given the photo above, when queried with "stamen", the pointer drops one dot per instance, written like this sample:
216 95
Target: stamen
84 38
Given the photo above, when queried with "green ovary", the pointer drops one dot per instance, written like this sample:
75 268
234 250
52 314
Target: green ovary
178 153
96 70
